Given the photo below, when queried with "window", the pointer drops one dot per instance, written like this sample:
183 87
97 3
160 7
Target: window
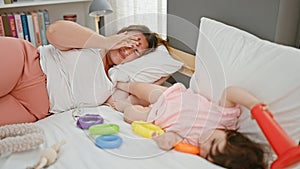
127 12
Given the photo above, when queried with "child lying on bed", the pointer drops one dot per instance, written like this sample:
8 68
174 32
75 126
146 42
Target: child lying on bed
191 118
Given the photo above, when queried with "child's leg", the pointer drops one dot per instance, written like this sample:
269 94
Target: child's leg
236 95
144 91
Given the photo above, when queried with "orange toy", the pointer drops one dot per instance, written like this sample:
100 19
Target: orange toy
187 148
287 150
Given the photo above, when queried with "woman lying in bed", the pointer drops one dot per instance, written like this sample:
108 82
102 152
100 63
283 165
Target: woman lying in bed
191 118
24 69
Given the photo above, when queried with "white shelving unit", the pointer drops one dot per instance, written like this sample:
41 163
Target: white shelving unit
56 8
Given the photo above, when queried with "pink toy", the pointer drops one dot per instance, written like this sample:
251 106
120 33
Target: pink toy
287 150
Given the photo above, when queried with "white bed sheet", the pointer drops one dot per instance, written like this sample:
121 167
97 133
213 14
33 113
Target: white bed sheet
80 151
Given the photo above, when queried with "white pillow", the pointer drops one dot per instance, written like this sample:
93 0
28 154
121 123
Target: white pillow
147 68
228 56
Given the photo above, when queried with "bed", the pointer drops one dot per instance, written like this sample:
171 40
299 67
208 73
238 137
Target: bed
80 151
233 49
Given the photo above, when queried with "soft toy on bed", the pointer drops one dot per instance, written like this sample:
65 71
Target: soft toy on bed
20 137
49 155
26 136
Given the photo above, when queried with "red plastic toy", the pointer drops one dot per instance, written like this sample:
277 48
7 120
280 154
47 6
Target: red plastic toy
288 152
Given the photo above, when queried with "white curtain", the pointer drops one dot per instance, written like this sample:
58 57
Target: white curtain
152 13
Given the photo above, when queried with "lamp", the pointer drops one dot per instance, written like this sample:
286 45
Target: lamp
99 8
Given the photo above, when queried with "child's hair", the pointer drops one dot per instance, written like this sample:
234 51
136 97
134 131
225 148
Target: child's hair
154 39
239 153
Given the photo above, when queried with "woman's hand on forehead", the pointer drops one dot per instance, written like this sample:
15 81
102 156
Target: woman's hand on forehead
125 39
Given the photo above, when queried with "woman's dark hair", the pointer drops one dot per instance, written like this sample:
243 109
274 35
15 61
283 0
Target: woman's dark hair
239 153
154 39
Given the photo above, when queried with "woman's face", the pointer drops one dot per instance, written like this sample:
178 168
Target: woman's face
215 141
126 54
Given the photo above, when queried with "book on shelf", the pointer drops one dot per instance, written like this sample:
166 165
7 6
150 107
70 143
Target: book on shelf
7 1
12 25
19 26
30 26
42 27
25 27
36 28
31 29
2 2
6 25
2 33
46 18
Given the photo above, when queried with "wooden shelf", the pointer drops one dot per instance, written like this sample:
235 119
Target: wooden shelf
28 3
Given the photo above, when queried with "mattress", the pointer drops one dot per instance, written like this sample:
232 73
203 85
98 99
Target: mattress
81 152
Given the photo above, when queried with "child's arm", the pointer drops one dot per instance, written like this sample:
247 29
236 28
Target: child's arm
237 95
167 140
145 91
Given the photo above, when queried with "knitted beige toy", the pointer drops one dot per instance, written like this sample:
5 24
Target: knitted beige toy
49 155
20 137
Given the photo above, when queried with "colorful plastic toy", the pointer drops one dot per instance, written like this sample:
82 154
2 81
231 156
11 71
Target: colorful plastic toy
104 129
86 121
145 129
108 141
187 148
288 152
